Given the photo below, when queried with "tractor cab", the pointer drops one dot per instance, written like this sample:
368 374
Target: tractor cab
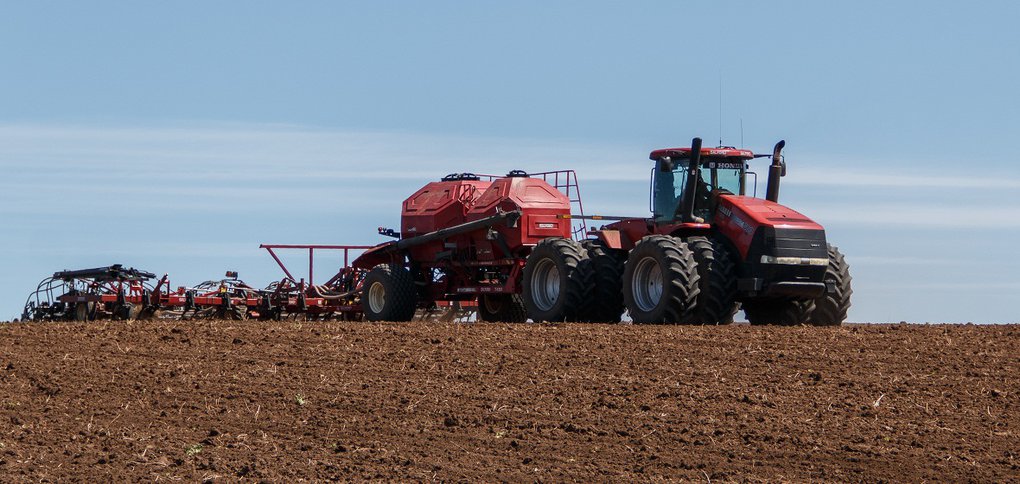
720 171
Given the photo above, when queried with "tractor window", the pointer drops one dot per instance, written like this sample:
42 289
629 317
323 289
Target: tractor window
725 179
668 187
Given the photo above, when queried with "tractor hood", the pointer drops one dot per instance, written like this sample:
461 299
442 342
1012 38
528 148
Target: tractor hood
781 231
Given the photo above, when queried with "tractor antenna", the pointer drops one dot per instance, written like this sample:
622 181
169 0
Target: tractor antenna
720 107
741 133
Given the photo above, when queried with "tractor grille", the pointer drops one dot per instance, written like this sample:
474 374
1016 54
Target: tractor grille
795 243
782 242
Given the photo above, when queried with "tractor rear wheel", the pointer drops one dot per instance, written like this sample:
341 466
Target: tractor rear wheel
830 309
660 281
557 281
389 294
502 308
606 304
718 281
783 312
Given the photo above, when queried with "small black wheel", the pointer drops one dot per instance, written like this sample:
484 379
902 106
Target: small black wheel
128 311
831 308
502 308
389 294
233 313
85 311
782 312
557 281
606 303
718 281
660 281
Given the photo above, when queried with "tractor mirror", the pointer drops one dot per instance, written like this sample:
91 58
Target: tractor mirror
666 164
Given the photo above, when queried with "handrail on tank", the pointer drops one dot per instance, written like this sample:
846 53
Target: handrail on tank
569 180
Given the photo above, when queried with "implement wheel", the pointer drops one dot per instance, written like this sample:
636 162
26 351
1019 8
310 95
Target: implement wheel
606 304
718 281
830 309
389 294
557 281
660 281
502 308
85 311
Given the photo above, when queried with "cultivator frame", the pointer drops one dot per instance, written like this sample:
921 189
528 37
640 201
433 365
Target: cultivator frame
114 292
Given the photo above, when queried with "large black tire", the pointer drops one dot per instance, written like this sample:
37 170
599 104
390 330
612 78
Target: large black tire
389 294
831 308
557 281
502 308
783 312
606 304
660 281
718 281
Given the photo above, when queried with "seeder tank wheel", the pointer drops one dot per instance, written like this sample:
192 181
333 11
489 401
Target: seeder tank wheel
502 308
389 294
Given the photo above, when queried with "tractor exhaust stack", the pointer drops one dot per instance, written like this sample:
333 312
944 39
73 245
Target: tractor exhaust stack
693 175
776 170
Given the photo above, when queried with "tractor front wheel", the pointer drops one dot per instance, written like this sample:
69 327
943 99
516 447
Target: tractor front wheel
660 281
389 294
557 281
830 309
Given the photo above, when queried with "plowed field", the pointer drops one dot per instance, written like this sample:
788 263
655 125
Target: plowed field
285 401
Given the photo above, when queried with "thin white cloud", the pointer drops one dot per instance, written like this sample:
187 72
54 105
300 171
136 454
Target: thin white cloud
878 177
934 215
879 260
944 286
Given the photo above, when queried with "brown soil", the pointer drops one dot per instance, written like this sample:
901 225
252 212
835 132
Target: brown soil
286 401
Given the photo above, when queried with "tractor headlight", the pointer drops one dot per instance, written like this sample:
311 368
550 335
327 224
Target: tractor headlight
794 261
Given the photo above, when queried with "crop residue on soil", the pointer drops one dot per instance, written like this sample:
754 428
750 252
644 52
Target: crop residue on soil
225 400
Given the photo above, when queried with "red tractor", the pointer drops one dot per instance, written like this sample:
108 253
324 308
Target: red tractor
709 249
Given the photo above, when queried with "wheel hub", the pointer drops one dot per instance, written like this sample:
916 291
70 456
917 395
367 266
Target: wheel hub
646 285
545 285
377 297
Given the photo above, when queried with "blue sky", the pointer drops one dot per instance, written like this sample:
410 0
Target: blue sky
178 136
